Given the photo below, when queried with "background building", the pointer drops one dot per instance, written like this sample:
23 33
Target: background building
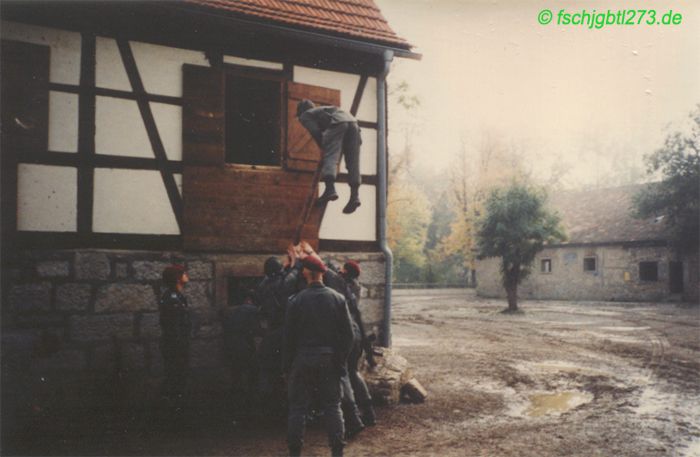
608 255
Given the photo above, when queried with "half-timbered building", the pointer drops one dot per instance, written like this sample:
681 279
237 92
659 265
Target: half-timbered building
139 134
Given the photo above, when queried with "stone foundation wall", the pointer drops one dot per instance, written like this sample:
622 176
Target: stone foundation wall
615 279
76 320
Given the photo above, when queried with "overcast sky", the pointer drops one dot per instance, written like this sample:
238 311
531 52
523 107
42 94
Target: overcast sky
566 92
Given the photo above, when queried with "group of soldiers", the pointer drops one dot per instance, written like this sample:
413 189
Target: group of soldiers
300 331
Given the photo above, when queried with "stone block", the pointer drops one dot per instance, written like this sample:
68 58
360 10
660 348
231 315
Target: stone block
200 270
149 325
198 294
53 269
372 273
147 270
101 328
64 360
121 270
125 298
386 379
92 265
73 297
372 310
31 297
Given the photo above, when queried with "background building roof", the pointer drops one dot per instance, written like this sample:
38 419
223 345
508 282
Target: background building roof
604 215
359 19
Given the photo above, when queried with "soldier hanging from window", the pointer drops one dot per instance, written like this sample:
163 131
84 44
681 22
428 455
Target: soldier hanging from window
335 132
176 326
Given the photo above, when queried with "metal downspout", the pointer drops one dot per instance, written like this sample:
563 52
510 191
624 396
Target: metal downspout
382 189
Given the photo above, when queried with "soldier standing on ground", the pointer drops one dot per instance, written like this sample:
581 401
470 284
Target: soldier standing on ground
336 132
176 326
317 337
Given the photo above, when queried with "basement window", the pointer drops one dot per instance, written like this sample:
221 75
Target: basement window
253 118
590 264
648 271
240 289
546 265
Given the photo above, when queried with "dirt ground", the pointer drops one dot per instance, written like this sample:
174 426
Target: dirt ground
561 379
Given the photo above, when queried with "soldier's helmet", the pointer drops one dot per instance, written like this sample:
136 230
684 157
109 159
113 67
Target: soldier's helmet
272 266
304 106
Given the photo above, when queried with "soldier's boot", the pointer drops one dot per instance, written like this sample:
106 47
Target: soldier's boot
368 416
337 451
329 193
354 201
353 422
294 451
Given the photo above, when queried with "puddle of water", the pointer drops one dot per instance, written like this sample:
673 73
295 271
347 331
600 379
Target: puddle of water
556 403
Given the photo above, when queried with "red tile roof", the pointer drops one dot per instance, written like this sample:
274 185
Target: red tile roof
358 19
604 215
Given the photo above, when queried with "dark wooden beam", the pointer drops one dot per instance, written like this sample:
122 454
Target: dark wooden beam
367 125
73 240
86 134
114 93
151 128
71 159
348 246
358 94
366 179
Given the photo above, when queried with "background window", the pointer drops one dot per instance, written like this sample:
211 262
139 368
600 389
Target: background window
253 120
648 271
589 264
546 265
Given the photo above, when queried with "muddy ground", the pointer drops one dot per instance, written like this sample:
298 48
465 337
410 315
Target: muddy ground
562 379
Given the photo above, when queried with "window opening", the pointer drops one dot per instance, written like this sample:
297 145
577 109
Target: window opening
589 264
253 120
648 271
546 265
240 288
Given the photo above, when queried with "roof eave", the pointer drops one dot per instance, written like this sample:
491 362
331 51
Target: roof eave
306 35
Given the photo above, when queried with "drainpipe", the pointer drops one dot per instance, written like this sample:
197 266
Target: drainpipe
382 189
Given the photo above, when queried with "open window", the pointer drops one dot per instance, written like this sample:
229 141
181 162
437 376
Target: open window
648 271
546 265
590 264
254 118
244 116
234 121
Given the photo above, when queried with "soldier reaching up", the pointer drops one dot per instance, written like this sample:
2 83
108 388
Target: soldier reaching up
335 132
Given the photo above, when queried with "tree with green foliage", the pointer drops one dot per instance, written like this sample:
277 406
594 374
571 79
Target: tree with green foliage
677 197
515 227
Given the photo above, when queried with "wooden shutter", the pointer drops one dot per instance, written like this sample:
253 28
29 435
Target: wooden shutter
25 97
302 152
25 120
203 116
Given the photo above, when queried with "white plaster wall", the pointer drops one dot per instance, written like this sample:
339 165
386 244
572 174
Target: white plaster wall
253 63
119 128
132 201
109 69
359 226
160 67
63 122
344 82
47 198
367 111
368 152
65 48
